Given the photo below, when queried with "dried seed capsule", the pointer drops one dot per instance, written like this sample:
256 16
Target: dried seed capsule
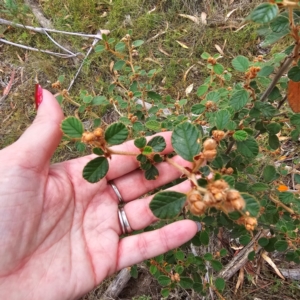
233 195
238 204
98 132
218 135
194 196
88 137
229 171
198 208
210 155
210 144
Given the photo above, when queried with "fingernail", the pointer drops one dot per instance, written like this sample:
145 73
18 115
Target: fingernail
38 96
199 226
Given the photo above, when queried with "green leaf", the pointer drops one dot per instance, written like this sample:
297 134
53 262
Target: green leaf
179 255
98 151
167 205
259 187
186 282
198 287
286 197
248 148
61 78
81 147
240 63
281 246
274 141
218 69
185 140
153 125
119 65
140 142
222 118
295 120
264 13
120 47
252 205
265 71
240 135
273 128
59 99
158 158
245 240
229 179
198 109
202 89
297 178
239 99
147 150
153 269
100 100
165 292
208 256
96 169
223 252
204 237
251 255
137 43
164 280
116 134
220 284
72 127
154 96
216 265
87 99
99 48
205 55
269 173
134 271
152 173
263 242
280 23
294 74
158 144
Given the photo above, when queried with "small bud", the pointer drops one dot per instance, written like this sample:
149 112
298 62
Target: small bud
194 196
229 171
218 135
98 132
198 208
210 155
210 144
87 137
238 204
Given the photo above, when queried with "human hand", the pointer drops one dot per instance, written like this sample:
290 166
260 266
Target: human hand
59 234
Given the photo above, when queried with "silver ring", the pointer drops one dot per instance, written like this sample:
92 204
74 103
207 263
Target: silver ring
117 192
124 221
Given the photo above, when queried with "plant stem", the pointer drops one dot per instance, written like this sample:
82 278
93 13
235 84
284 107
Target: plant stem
111 151
277 202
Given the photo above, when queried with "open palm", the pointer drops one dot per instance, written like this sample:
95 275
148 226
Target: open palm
59 234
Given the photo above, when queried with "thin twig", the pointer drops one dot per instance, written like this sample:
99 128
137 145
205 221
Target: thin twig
42 30
99 37
58 45
39 50
277 202
278 75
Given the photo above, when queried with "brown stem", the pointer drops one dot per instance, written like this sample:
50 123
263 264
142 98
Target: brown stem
111 151
277 202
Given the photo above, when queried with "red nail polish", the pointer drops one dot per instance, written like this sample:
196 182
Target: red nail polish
38 96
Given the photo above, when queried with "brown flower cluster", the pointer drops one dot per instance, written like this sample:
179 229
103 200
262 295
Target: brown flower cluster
211 60
249 222
218 194
175 277
94 138
209 149
252 73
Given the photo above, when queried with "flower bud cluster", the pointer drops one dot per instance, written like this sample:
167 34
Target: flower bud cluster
175 277
252 73
218 135
209 149
249 222
95 137
218 194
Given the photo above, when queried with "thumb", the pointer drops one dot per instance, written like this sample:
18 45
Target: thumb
39 141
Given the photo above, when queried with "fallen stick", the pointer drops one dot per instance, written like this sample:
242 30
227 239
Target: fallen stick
118 284
241 258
